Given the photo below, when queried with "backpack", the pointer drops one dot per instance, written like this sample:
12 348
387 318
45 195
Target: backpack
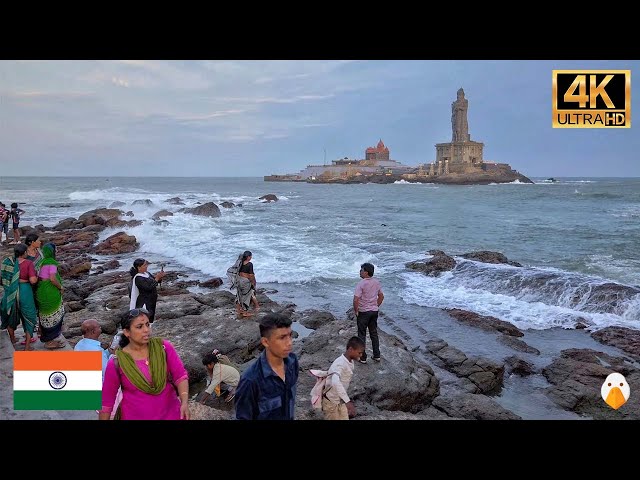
320 388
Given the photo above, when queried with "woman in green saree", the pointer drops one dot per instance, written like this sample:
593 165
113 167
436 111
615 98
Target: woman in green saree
49 298
18 274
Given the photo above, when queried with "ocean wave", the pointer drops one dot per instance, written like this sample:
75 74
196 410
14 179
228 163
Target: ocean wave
528 297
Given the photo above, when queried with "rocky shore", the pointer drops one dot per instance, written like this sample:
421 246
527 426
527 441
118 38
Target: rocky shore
433 381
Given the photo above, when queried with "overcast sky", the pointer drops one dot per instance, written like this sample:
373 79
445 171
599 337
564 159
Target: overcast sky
254 118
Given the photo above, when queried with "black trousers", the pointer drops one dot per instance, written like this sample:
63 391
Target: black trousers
369 320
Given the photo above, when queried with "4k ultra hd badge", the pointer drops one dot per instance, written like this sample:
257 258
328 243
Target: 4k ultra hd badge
591 99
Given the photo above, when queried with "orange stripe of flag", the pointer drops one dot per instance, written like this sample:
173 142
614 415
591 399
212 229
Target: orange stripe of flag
60 360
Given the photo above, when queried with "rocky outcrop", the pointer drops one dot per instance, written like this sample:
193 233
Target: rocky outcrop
398 382
485 256
208 209
440 262
313 319
162 213
484 322
115 244
270 197
577 377
485 376
626 339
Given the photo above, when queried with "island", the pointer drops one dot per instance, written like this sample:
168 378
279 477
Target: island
458 162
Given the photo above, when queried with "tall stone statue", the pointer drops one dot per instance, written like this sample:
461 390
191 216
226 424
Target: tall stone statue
459 124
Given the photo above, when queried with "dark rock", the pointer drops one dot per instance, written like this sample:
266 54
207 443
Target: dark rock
212 283
314 319
485 256
517 344
117 243
209 209
269 198
435 266
474 407
175 201
398 382
484 322
518 366
227 204
577 377
162 213
145 202
626 339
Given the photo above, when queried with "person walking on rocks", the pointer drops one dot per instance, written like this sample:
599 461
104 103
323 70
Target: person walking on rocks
336 404
366 303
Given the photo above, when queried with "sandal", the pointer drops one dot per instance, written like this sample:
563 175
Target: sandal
33 339
53 344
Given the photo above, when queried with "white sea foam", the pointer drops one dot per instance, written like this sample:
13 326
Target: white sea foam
441 292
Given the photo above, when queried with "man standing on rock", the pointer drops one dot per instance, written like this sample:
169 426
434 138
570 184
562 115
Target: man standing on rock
366 302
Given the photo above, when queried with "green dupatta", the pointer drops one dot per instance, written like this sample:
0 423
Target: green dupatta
157 366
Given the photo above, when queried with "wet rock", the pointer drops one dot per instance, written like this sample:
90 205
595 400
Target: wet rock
162 213
227 204
117 243
626 339
485 256
313 319
208 209
99 215
485 374
175 201
68 224
269 198
484 322
518 366
435 266
517 344
212 283
117 204
577 377
146 202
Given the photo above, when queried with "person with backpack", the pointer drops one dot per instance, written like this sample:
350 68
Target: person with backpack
336 404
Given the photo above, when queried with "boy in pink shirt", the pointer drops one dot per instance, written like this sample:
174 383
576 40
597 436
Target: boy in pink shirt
367 299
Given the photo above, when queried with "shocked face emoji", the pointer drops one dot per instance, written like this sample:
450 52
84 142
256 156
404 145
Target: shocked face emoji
615 390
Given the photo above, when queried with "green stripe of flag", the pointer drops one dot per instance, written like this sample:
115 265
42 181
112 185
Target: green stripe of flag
52 400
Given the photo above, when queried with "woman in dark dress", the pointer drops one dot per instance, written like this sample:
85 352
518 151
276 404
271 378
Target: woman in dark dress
144 287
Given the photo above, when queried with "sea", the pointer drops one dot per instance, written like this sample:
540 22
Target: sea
577 240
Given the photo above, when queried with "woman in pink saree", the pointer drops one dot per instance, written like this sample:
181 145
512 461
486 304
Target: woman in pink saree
154 382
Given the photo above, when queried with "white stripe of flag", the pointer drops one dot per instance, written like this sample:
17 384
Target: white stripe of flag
39 380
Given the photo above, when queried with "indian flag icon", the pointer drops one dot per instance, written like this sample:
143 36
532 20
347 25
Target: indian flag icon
59 380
